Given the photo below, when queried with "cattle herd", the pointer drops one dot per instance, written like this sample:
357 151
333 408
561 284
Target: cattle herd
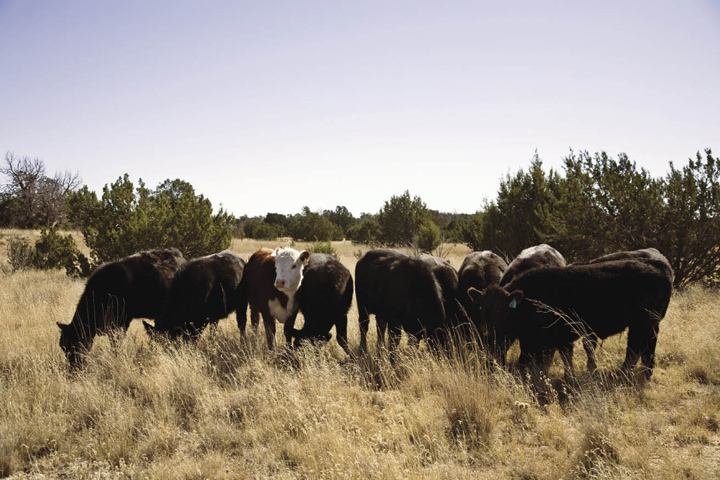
538 300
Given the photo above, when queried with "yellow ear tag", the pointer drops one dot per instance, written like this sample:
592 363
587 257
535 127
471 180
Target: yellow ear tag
513 303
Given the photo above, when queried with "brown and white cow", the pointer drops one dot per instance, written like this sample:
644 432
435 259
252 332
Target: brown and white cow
271 281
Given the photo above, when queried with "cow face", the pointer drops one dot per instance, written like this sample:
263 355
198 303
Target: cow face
289 265
71 344
498 308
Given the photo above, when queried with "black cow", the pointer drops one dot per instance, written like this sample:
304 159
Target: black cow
400 290
116 292
204 290
324 298
447 278
547 309
538 256
479 270
496 337
649 255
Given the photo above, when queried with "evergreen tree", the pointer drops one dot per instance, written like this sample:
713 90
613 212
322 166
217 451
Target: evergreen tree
400 220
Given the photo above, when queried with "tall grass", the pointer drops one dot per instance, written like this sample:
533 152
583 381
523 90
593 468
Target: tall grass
228 408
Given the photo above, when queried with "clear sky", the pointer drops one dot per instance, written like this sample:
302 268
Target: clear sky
267 106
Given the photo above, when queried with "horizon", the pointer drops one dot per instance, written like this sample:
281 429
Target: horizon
267 108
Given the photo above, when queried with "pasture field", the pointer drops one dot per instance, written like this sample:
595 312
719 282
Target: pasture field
228 408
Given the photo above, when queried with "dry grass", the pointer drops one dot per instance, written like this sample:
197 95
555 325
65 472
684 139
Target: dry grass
231 409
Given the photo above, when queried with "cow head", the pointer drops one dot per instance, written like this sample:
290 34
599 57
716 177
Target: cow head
72 344
289 265
497 308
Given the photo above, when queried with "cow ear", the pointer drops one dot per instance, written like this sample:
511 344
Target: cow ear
62 326
304 257
475 294
515 298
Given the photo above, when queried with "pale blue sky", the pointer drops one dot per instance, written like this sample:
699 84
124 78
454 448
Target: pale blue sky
269 106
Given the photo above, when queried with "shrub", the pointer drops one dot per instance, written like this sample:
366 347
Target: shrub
368 232
323 247
428 237
128 219
19 254
400 220
54 251
261 230
311 227
603 205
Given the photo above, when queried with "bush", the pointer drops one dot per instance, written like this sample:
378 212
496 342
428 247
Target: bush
54 251
368 232
690 224
400 220
127 220
312 227
429 237
323 247
19 254
603 205
261 230
51 251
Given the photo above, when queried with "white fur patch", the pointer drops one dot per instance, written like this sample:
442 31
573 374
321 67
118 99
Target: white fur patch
282 313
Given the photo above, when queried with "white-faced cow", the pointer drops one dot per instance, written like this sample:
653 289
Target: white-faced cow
271 280
479 270
538 256
203 291
547 309
324 298
402 291
118 291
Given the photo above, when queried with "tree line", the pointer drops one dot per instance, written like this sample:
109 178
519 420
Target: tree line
595 205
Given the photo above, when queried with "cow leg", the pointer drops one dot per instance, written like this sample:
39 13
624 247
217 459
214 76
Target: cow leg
648 352
394 335
364 323
590 344
255 317
341 332
269 323
241 315
289 328
566 355
634 347
381 326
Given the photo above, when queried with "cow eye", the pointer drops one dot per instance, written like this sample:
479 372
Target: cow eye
294 267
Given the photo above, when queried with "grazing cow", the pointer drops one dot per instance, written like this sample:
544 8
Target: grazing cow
649 255
400 290
324 299
539 256
495 336
447 278
116 292
479 270
271 281
547 309
204 290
